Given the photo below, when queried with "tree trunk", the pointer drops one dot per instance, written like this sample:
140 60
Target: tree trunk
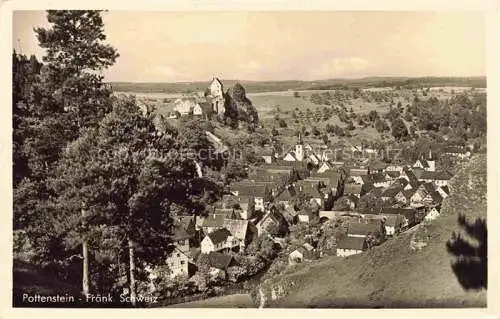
85 253
132 271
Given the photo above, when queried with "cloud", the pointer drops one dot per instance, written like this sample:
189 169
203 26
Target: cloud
340 67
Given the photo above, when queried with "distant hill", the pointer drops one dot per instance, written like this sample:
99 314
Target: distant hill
270 86
397 273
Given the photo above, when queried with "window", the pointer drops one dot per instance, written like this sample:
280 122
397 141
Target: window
183 262
178 254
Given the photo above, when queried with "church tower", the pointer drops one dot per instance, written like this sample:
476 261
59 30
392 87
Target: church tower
299 149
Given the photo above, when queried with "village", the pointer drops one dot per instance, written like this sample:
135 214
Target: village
367 199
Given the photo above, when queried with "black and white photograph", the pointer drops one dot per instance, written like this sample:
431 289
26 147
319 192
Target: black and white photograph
248 159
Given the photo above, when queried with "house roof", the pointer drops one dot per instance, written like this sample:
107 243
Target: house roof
237 228
436 176
249 188
377 165
378 178
219 235
455 150
352 198
355 243
309 188
446 189
358 171
219 260
363 228
353 189
409 213
332 175
180 233
214 220
408 193
227 212
391 191
287 194
393 174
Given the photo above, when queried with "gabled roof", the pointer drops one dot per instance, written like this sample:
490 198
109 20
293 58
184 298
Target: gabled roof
332 175
249 188
378 178
446 189
219 235
391 191
287 194
219 260
354 243
237 228
214 220
180 233
394 174
409 213
408 193
363 228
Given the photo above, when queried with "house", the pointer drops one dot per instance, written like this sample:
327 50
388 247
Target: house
394 223
440 178
286 196
305 252
178 260
444 191
391 192
432 214
219 260
186 105
240 229
243 205
258 191
394 168
358 171
363 229
271 220
311 189
325 166
296 153
400 197
268 154
353 189
215 96
459 152
380 180
332 214
334 177
306 215
377 166
351 246
409 214
220 147
213 222
426 165
219 240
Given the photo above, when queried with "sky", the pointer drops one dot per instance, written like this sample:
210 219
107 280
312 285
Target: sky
282 45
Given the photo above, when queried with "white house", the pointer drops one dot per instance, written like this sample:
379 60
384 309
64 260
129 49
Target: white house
218 240
178 259
432 214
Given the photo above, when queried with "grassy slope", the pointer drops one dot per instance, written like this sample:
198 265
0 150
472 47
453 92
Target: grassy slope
394 275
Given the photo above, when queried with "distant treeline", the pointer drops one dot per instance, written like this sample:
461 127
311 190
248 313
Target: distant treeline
270 86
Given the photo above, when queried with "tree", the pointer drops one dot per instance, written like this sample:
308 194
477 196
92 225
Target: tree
342 204
274 131
64 100
399 130
124 176
282 123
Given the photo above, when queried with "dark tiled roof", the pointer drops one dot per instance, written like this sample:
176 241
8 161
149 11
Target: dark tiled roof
446 189
180 233
219 236
438 175
391 192
332 175
219 260
287 194
358 171
363 228
354 243
249 188
214 220
394 220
